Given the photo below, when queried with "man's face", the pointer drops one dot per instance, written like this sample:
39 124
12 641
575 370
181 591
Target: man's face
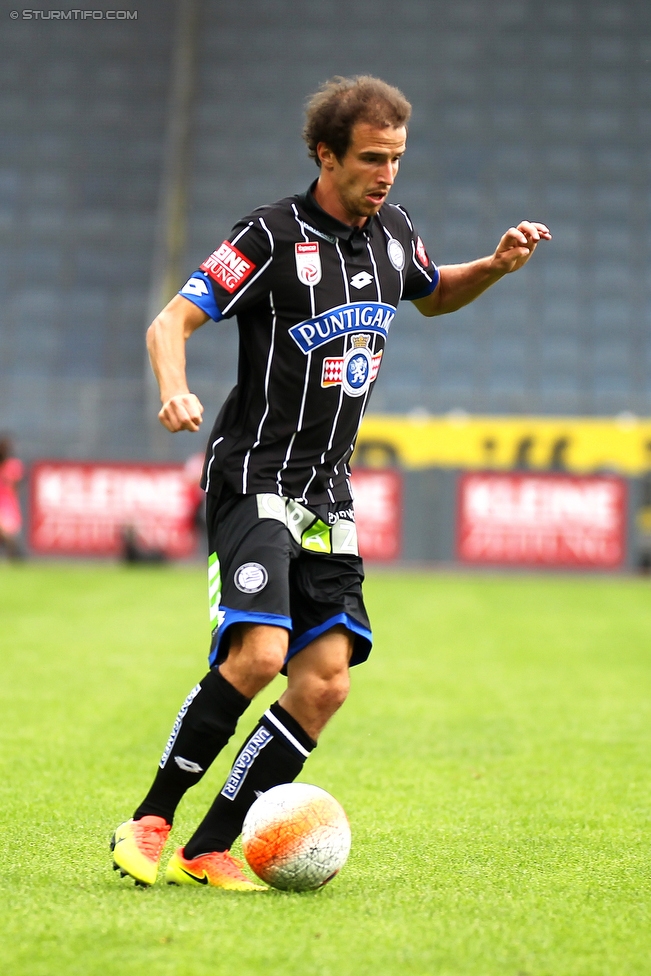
365 175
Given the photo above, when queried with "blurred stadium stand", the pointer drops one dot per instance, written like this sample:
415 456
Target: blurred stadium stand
522 109
82 117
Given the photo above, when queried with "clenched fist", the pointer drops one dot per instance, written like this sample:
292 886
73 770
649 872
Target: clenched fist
181 412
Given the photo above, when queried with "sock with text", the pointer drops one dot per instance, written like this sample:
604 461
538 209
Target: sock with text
274 753
204 725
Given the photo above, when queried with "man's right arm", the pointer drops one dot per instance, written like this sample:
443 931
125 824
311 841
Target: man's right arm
166 338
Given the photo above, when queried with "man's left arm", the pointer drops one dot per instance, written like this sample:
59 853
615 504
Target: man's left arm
460 284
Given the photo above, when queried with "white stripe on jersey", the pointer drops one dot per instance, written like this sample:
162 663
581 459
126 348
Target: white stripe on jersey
242 232
416 262
298 426
245 463
258 436
364 402
303 497
305 238
377 277
268 233
413 247
308 366
344 273
258 273
397 206
215 443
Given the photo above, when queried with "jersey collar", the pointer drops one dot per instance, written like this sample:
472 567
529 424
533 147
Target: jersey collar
355 236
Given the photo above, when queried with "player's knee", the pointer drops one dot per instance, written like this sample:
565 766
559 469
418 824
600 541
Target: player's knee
337 695
329 693
266 662
262 649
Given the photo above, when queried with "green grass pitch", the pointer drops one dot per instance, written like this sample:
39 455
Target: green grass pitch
494 760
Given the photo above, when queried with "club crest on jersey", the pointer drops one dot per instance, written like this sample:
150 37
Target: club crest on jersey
251 578
228 266
338 321
308 262
355 371
396 254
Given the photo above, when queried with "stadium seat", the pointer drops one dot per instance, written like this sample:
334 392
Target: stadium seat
489 145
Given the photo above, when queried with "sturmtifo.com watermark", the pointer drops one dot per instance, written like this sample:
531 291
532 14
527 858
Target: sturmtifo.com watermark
74 15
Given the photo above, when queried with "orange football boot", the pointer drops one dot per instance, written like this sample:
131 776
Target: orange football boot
219 869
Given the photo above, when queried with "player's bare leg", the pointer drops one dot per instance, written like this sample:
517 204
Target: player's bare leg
319 680
256 654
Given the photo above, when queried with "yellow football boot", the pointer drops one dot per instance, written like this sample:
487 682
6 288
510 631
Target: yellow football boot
137 846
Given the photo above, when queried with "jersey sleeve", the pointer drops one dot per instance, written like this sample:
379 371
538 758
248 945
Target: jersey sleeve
421 276
233 278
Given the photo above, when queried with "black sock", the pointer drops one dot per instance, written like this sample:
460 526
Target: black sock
274 753
202 728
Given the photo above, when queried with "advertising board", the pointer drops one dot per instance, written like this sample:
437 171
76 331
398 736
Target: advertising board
541 520
87 508
83 508
378 512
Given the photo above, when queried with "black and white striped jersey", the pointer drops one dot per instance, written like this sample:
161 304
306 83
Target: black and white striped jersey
314 300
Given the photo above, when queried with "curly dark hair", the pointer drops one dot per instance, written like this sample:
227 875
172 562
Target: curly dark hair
340 103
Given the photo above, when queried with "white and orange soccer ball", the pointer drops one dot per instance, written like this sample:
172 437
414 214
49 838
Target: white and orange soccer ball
296 837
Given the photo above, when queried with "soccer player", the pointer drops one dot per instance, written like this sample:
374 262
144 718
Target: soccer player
314 281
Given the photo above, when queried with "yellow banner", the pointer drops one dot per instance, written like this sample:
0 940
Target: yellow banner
457 440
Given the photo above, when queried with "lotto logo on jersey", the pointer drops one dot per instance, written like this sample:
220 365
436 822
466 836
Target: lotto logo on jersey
228 266
308 262
422 253
195 287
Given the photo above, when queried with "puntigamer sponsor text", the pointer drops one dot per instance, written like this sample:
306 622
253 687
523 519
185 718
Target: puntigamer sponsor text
370 316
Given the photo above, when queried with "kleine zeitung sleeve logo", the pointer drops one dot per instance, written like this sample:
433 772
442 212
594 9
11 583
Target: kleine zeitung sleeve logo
228 266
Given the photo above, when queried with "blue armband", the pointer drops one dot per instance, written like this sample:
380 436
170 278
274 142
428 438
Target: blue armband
425 291
198 290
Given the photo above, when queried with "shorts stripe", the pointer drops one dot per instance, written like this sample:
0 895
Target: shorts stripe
214 588
229 617
359 654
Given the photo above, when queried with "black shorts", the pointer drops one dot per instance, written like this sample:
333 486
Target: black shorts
275 561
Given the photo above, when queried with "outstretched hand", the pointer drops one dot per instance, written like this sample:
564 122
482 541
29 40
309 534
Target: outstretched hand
517 246
181 412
